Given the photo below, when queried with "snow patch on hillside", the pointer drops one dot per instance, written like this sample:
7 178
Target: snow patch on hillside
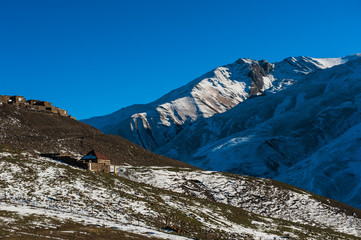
51 189
330 62
291 205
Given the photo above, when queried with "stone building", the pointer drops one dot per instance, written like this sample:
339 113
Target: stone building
4 98
17 100
39 103
53 109
93 161
96 162
62 112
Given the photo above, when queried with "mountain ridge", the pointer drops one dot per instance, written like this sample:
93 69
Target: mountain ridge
214 92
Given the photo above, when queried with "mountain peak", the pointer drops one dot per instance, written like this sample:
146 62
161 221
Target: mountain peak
214 92
244 61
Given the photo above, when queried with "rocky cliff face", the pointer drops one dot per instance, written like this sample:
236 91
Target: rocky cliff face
257 73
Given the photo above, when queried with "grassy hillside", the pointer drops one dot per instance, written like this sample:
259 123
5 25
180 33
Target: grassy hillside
43 198
30 130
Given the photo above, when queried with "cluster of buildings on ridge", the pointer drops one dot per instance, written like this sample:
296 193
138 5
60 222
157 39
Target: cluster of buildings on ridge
32 104
92 161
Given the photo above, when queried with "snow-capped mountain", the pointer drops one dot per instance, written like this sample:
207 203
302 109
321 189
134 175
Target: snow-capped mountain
154 124
307 135
293 120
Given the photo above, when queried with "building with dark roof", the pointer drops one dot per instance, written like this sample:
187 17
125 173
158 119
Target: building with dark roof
96 162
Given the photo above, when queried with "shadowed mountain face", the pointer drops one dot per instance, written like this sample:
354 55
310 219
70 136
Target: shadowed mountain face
44 132
296 120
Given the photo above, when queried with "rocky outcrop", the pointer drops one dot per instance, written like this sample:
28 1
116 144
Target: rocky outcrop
257 72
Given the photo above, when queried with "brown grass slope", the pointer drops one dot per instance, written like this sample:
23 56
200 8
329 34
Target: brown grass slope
31 130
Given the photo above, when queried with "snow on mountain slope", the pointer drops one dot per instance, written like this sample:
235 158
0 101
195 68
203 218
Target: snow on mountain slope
153 125
42 197
50 191
330 62
283 202
283 135
333 170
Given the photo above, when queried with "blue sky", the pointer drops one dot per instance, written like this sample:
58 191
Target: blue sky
95 57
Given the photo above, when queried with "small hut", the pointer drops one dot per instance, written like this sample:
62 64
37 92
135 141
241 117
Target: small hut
96 162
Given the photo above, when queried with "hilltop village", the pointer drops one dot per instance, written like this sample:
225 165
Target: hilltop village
32 104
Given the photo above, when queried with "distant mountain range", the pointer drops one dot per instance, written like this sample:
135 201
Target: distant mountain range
297 120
